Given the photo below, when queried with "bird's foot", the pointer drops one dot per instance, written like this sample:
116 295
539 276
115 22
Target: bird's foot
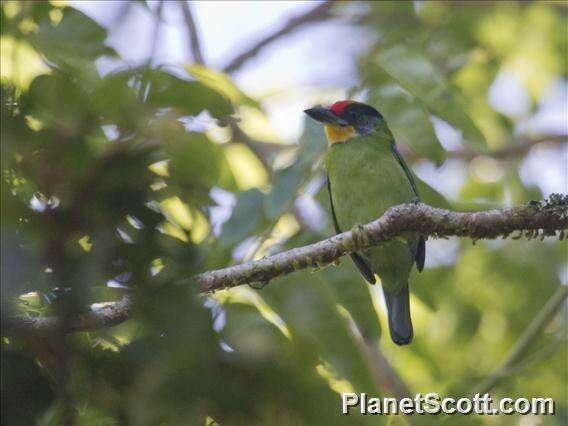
359 235
259 285
57 295
321 266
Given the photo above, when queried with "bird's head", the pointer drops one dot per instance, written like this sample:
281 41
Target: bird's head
346 119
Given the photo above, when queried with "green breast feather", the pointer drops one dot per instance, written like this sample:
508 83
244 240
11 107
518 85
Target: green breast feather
365 179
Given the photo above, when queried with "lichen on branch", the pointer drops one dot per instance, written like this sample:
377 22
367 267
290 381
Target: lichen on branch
536 219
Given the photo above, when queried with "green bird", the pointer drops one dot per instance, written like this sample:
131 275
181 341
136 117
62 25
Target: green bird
365 176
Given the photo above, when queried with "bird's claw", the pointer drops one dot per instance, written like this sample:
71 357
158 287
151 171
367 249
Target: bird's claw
259 285
359 235
56 295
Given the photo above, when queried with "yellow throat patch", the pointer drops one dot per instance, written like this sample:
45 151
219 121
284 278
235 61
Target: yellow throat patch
337 134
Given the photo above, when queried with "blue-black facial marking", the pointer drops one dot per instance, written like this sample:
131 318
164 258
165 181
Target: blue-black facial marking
363 117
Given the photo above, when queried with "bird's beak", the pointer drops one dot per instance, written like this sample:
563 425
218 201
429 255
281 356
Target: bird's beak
325 115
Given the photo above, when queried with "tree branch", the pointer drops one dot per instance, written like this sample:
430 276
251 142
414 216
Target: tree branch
535 219
514 149
194 43
100 315
548 216
318 13
156 35
517 148
531 333
238 135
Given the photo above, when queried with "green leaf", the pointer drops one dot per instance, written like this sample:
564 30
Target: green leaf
74 41
116 101
284 188
313 143
352 292
221 83
26 391
418 75
195 160
190 97
288 180
245 218
279 363
406 117
56 101
309 307
422 283
395 20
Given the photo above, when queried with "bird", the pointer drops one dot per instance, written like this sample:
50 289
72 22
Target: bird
366 174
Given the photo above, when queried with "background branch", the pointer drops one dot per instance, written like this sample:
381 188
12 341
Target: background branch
157 27
318 13
513 149
535 219
260 149
100 315
194 43
531 333
549 216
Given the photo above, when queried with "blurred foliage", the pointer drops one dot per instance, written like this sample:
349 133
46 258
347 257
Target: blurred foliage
110 187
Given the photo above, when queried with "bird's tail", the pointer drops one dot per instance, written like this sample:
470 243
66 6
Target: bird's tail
398 307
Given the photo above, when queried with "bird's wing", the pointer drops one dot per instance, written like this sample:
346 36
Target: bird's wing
358 260
420 256
420 251
406 169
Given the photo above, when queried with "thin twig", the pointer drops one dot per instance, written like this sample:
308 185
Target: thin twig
194 43
531 333
318 13
238 135
157 28
385 373
379 367
514 149
385 377
535 219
